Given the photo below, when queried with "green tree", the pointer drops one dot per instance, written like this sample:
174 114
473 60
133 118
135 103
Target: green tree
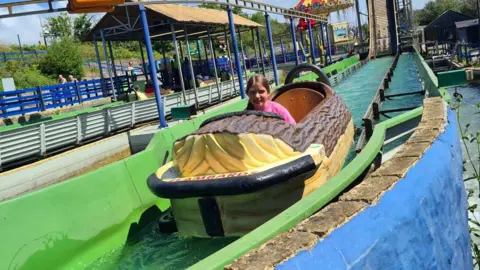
25 76
63 57
82 25
435 8
59 26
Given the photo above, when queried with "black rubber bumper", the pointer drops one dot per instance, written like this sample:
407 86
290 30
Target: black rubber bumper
233 185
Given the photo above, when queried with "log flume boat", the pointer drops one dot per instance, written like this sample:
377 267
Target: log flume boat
240 169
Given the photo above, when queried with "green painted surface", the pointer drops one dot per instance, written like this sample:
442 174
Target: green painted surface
71 224
452 78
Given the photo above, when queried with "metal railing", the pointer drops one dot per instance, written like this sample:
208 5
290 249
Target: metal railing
39 140
373 111
42 98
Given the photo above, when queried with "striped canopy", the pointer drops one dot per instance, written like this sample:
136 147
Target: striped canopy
318 7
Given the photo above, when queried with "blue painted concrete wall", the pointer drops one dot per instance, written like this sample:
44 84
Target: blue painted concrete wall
420 224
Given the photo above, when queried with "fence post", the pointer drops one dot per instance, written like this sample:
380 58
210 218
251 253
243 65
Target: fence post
382 95
40 95
21 103
367 123
79 95
385 83
376 112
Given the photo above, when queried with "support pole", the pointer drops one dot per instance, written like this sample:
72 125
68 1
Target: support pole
210 44
328 44
230 59
112 58
294 40
143 61
312 47
179 64
153 68
192 73
108 66
359 22
272 50
261 52
198 50
97 56
99 62
231 25
20 47
255 51
243 53
283 51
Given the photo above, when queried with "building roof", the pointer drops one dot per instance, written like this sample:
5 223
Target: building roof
467 23
124 23
447 20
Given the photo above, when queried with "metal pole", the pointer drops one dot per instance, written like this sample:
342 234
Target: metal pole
357 7
153 68
235 51
179 65
310 36
272 50
294 40
328 43
261 52
198 50
113 59
99 62
145 73
230 59
97 56
192 74
243 53
20 47
283 50
210 44
108 66
255 51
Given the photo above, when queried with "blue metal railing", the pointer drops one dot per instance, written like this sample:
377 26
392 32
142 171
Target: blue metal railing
41 98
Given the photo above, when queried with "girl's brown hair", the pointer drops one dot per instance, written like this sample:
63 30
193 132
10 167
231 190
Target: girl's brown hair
257 79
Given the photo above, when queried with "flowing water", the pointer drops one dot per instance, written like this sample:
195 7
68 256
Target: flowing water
153 250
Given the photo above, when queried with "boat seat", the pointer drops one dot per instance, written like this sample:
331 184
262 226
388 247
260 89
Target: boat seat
291 100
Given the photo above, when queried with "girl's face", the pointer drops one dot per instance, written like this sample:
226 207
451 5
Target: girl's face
258 96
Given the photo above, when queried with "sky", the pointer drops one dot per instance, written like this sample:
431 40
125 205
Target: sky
29 27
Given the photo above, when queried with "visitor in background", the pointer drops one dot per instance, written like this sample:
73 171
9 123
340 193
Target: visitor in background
61 79
258 90
131 71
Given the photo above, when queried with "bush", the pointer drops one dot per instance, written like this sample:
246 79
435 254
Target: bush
24 76
63 57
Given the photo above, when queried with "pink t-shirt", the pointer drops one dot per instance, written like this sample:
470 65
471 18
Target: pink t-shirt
277 108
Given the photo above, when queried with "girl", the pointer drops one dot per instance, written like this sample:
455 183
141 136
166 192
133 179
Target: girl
258 90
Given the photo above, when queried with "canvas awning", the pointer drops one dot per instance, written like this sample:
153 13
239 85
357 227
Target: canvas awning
124 23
